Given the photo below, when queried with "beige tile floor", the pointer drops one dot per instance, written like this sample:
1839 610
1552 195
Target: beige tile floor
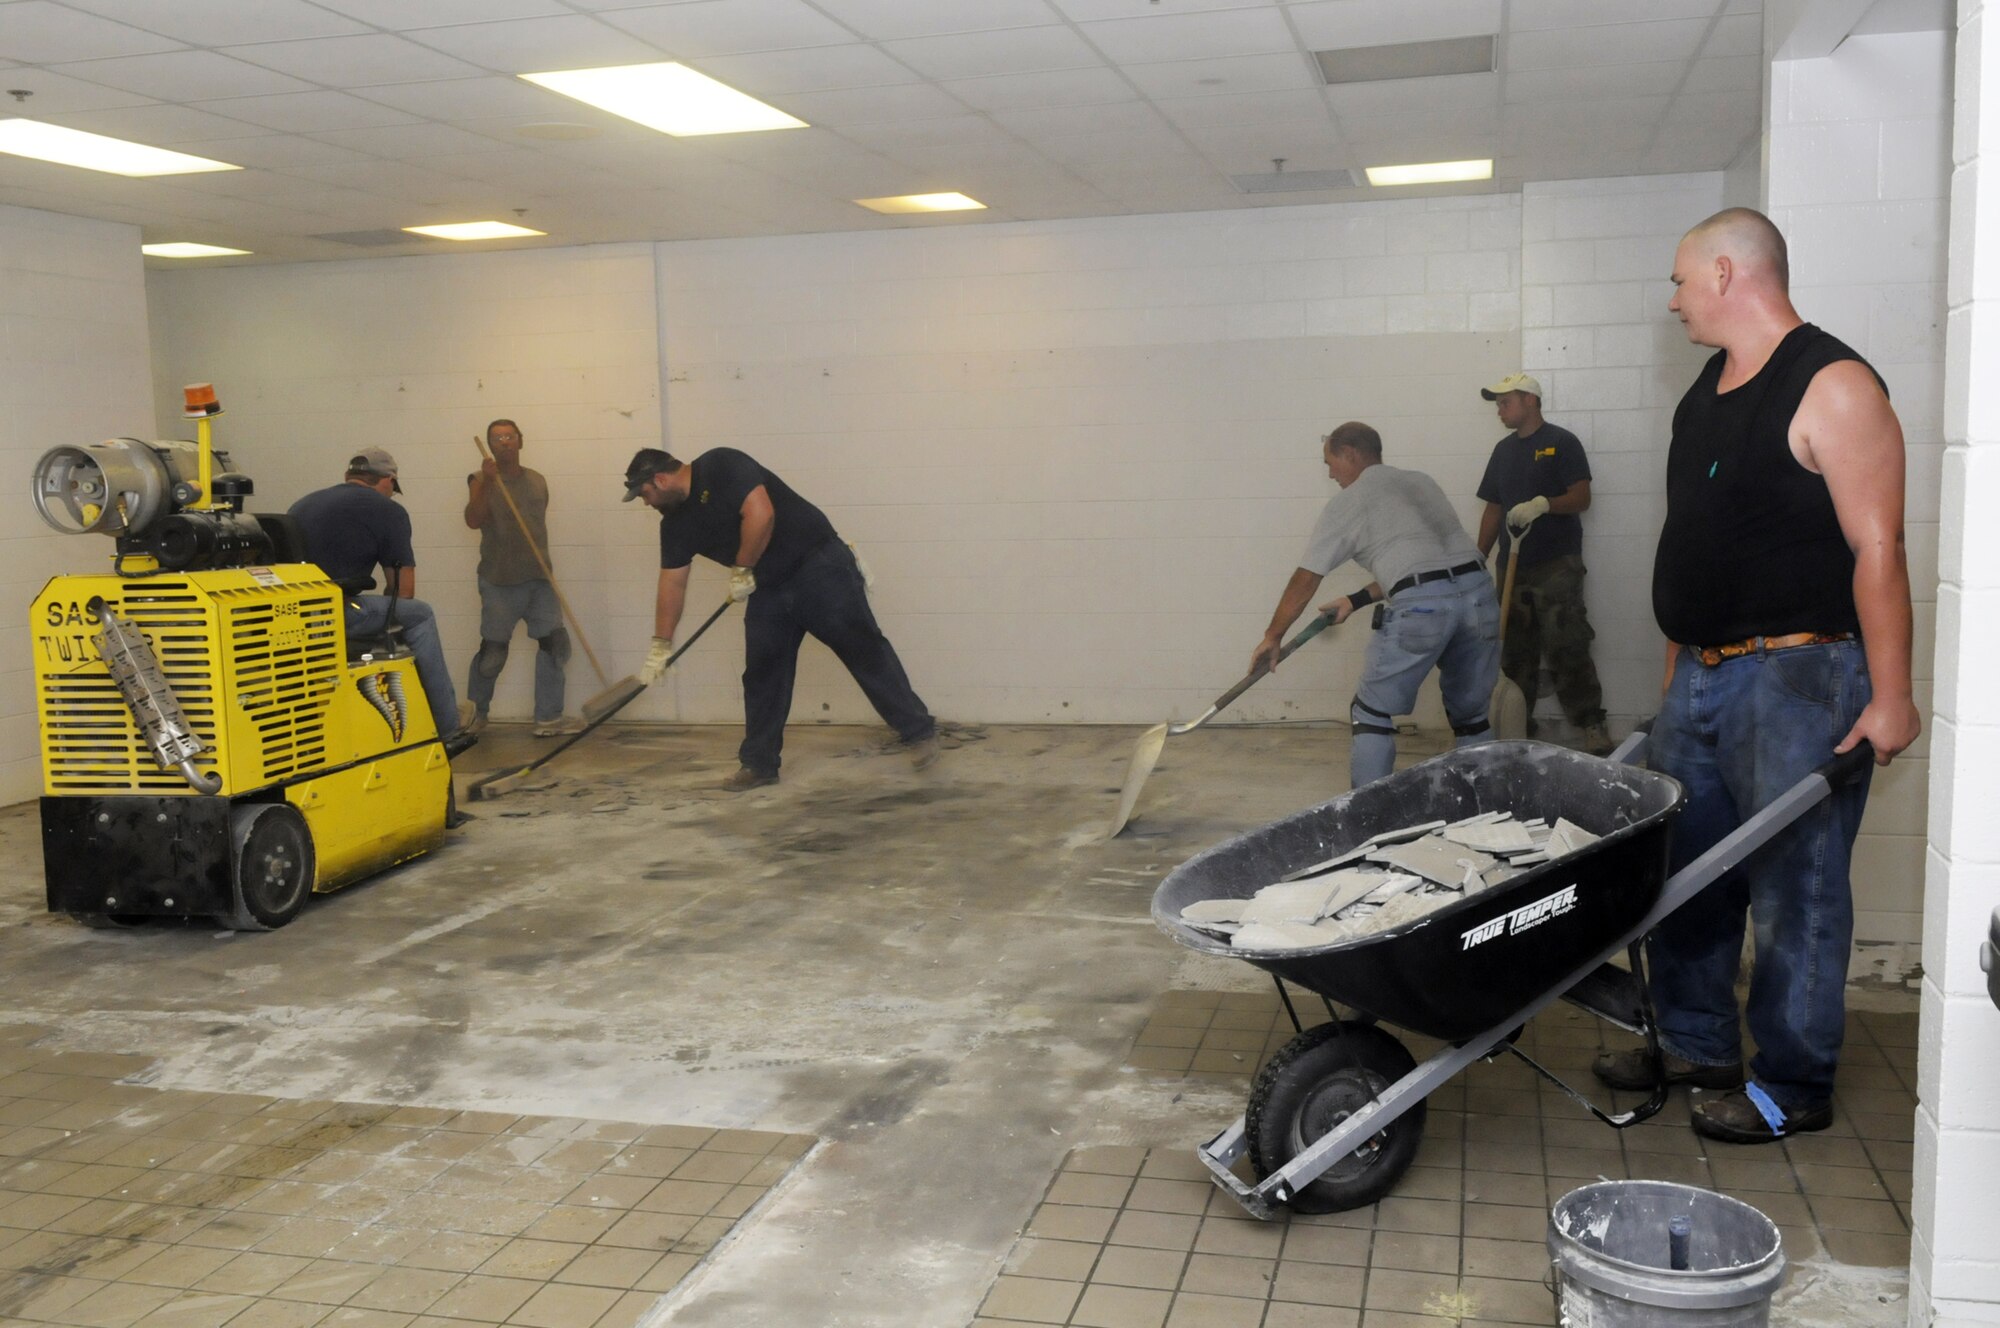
1139 1238
123 1206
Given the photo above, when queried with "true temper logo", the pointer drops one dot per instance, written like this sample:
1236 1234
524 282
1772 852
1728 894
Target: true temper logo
1522 918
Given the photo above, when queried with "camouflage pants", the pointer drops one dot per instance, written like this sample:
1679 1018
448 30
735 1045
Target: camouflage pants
1548 618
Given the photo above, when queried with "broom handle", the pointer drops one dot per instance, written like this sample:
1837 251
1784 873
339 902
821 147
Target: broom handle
543 563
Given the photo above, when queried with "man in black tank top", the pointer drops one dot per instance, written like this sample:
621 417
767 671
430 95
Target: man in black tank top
1783 592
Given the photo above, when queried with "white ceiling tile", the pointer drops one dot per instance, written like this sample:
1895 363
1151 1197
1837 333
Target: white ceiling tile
298 112
1304 144
1729 73
1084 11
1620 44
1101 149
404 15
406 141
1529 15
1468 93
1013 51
533 45
1056 87
1327 25
1224 77
39 32
697 28
1716 108
163 126
356 62
178 75
477 99
272 152
1736 34
222 22
58 93
1172 36
1110 123
1583 117
1248 109
957 131
880 20
849 106
824 68
1581 82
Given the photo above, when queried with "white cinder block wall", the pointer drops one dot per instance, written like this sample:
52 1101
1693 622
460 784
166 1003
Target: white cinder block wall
73 370
315 361
1595 260
1857 171
1954 1260
1082 457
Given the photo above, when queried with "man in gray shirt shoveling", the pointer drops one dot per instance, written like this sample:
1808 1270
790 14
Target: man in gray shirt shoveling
1439 610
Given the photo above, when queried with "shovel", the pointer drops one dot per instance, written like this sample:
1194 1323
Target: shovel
1507 708
614 695
502 781
1147 754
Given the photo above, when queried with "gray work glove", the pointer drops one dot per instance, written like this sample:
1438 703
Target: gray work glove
657 655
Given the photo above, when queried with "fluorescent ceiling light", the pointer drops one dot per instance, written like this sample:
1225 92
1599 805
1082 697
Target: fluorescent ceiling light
1431 172
182 249
668 97
922 203
473 230
95 152
1424 59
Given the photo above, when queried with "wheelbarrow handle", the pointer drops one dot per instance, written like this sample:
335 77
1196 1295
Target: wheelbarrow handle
1306 633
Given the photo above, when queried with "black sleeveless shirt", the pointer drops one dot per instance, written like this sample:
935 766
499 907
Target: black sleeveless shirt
1751 545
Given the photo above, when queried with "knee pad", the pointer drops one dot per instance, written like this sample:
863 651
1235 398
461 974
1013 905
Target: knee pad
555 644
1364 718
492 657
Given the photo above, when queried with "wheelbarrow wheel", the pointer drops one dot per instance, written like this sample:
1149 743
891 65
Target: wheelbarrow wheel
1315 1082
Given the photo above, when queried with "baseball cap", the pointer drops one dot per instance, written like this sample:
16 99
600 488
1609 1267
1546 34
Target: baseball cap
375 461
646 463
1513 382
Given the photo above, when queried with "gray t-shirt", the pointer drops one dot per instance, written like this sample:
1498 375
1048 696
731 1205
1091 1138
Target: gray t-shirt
1393 522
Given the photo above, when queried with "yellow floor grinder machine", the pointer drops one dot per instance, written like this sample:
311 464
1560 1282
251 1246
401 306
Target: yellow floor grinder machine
213 745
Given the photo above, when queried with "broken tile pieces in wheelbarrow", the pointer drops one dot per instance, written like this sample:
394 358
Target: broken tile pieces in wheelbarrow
1331 864
1407 832
1434 859
1568 837
1499 835
1214 910
1291 901
1282 936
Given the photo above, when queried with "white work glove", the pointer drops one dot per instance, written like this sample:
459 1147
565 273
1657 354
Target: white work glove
657 655
867 577
1521 515
741 582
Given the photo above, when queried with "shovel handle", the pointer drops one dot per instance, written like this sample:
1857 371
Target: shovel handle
1848 765
1306 633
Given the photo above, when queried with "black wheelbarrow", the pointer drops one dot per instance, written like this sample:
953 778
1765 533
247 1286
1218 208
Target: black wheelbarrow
1335 1117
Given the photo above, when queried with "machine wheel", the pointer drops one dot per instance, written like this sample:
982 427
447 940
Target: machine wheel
1316 1081
270 865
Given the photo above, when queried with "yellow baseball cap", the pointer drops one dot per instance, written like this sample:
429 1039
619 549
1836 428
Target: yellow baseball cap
1513 382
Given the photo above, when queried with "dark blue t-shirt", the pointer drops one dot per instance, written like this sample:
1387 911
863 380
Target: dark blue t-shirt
710 522
1544 464
350 530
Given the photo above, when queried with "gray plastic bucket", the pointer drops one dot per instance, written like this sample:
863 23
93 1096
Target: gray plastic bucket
1613 1269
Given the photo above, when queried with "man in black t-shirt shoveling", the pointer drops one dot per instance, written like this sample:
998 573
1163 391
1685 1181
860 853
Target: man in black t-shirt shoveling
726 507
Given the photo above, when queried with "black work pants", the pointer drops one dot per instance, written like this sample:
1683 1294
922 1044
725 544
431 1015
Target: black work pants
826 598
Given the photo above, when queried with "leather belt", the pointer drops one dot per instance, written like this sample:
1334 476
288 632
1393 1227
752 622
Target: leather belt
1754 645
1442 574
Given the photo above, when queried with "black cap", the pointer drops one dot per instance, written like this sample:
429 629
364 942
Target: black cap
646 463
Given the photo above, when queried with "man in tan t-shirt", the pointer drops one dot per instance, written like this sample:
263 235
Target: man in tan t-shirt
512 585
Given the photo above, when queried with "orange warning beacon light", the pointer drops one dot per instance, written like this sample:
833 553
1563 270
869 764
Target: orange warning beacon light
200 401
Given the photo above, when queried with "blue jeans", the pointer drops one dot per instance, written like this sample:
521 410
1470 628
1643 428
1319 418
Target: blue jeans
500 607
368 614
1452 626
825 597
1736 736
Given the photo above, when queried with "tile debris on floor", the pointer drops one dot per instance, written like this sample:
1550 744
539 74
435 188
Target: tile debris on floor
124 1206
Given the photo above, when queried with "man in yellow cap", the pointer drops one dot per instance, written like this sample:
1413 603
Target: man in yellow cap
1536 486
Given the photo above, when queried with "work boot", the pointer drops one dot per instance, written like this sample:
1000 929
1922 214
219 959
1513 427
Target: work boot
1632 1069
560 726
1597 740
1735 1119
475 723
924 752
746 779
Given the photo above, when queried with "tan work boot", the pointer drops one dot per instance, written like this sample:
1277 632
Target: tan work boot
924 752
1597 740
560 726
746 779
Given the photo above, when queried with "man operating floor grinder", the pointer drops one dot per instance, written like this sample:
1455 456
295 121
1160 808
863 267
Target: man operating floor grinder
213 742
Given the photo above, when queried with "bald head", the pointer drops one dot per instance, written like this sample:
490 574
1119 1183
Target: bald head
1748 240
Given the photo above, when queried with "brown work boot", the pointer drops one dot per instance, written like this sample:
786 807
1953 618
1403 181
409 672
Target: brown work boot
1597 740
1735 1119
1632 1069
746 779
924 752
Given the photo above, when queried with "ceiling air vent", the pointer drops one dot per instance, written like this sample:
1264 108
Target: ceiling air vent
1424 59
1293 182
367 239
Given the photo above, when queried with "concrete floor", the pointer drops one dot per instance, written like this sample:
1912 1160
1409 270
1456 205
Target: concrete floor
940 975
